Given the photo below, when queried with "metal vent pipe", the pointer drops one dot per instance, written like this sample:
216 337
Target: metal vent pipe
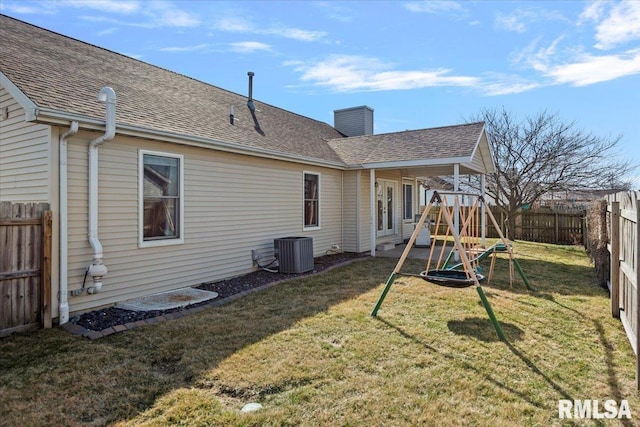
250 101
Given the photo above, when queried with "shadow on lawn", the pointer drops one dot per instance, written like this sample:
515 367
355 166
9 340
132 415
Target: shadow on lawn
183 351
545 276
62 376
482 329
453 359
612 379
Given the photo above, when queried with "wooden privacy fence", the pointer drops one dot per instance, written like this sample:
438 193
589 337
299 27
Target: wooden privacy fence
623 213
25 267
537 225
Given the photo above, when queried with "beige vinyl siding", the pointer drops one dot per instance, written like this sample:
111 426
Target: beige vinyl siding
351 212
482 158
365 211
477 162
24 155
232 204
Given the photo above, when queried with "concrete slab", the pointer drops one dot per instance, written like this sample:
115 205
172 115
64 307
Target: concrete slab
168 300
385 246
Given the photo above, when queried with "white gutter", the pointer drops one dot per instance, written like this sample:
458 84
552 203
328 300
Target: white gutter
97 269
43 115
63 308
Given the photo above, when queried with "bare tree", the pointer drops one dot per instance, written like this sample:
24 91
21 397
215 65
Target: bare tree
543 154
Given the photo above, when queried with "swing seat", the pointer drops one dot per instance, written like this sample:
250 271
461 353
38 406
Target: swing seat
450 278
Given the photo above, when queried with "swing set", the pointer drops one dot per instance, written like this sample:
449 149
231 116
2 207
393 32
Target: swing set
461 267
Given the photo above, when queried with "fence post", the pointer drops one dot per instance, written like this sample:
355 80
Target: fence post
614 262
615 259
637 290
45 312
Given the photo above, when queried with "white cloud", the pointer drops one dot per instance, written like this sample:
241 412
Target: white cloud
185 48
234 25
244 25
113 6
512 22
435 7
249 47
147 14
589 69
575 66
620 26
108 31
343 73
175 18
134 55
334 10
295 33
508 88
28 8
593 12
494 84
520 19
538 58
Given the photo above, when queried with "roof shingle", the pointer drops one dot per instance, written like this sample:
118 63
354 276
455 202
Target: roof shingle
434 143
63 74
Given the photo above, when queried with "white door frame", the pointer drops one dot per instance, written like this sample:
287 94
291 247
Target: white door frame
386 207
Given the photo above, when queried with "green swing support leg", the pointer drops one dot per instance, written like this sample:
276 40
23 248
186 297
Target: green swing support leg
445 266
492 316
390 281
524 277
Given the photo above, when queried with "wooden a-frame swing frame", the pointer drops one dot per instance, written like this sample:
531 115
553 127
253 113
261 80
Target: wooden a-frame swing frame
466 262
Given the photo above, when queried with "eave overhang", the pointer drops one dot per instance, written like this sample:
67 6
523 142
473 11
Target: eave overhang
59 118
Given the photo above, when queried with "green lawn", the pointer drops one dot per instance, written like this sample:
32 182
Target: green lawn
309 352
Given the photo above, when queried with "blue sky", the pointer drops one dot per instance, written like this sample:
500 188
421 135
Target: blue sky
418 64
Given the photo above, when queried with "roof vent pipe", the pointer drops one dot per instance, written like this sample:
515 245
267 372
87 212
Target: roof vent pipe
97 269
250 101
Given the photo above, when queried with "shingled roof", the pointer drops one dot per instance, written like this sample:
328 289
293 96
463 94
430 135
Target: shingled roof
448 142
61 76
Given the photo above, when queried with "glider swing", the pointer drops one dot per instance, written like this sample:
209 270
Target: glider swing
466 251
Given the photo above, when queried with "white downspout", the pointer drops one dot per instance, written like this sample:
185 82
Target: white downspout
483 213
97 269
63 308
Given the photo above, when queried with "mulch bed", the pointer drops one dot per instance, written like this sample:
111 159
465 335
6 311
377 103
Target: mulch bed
99 320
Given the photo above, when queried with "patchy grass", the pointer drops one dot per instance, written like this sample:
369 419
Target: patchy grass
311 354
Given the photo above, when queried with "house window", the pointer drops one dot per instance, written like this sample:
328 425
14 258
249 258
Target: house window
161 202
407 209
311 200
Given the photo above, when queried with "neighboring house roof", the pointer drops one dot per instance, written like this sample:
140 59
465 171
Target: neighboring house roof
57 78
436 183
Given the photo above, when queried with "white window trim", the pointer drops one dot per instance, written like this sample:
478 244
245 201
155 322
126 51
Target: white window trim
413 200
319 226
162 242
